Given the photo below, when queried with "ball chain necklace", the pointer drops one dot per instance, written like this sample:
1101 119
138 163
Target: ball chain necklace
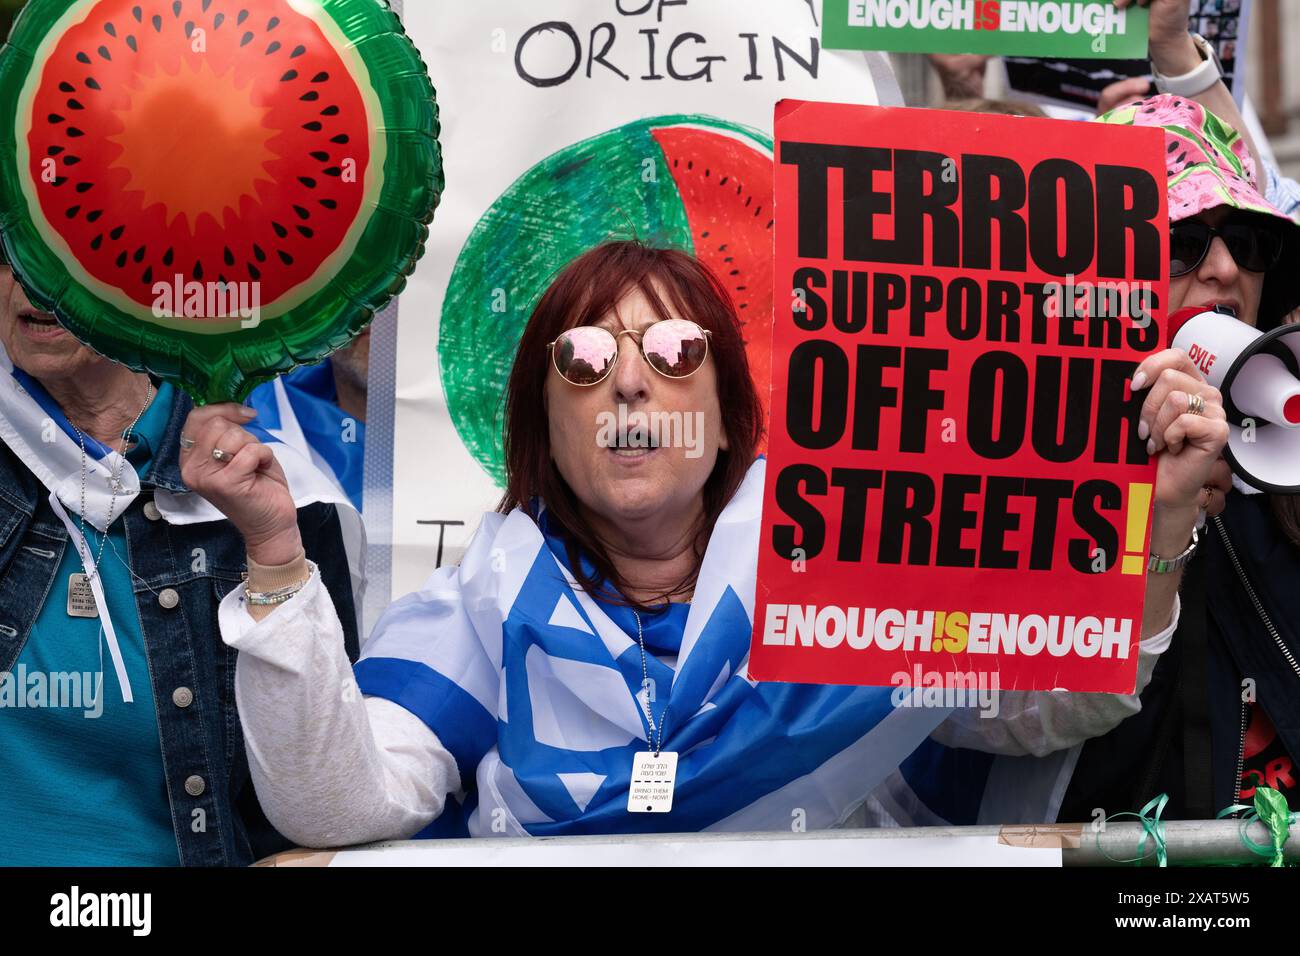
81 597
654 773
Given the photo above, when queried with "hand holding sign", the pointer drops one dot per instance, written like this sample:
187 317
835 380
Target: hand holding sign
1187 430
1166 23
1162 376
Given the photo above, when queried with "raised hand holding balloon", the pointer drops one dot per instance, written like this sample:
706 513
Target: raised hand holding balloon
215 191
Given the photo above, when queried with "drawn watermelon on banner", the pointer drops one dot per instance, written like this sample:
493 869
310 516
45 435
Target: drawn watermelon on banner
694 182
215 191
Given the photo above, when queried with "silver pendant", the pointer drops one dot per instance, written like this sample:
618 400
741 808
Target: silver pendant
81 597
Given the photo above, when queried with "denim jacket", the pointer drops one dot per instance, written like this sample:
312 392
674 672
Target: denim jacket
215 813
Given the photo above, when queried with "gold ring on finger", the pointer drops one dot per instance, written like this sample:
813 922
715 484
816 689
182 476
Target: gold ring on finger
1195 405
222 456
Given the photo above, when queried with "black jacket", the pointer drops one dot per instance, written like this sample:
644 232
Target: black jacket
1188 739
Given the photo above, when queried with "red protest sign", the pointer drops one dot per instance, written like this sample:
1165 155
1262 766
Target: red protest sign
955 483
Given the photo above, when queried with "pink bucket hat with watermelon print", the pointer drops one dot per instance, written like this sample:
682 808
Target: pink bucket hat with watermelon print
1208 165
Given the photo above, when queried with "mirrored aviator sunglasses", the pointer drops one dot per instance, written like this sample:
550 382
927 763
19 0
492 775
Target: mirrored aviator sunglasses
675 348
1254 245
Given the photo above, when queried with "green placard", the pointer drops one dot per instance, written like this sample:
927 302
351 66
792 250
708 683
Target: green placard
1042 28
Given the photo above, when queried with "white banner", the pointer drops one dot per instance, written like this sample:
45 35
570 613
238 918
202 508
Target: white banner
565 123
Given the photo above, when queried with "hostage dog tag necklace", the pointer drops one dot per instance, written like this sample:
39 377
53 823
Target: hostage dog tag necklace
654 774
81 595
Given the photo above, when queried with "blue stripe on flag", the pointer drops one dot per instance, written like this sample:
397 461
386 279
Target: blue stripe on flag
94 447
262 400
261 434
462 724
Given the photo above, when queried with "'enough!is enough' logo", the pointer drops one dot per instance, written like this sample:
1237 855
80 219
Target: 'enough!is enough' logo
1044 28
1019 16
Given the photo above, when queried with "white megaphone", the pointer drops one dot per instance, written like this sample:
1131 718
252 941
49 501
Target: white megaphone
1259 376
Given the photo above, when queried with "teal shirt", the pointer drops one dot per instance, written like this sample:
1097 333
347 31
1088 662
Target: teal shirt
82 784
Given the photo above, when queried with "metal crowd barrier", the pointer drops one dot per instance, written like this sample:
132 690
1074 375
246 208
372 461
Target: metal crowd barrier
1187 843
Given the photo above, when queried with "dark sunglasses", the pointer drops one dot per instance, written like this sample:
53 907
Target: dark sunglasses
1254 246
675 348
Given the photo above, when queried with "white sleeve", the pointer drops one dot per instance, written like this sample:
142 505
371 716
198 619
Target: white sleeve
1038 723
331 768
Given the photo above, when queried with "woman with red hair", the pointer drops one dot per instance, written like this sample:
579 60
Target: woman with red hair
583 670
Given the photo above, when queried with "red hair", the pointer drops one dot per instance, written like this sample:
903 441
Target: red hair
586 290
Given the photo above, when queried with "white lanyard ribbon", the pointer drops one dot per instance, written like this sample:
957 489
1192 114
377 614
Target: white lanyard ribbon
101 603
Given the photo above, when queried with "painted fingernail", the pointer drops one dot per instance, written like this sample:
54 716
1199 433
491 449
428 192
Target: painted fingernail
1151 446
1139 381
1143 431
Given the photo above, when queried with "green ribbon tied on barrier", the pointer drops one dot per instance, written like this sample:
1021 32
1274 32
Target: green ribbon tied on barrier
1153 828
1271 810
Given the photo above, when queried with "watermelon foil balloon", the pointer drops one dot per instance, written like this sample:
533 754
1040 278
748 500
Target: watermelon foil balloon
215 191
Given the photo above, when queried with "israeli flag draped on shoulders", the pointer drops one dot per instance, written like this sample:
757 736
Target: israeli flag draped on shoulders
536 689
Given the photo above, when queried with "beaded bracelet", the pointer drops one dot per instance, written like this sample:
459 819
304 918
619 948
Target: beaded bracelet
279 595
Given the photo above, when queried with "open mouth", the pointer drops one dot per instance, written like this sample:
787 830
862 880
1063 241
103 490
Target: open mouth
633 444
38 325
